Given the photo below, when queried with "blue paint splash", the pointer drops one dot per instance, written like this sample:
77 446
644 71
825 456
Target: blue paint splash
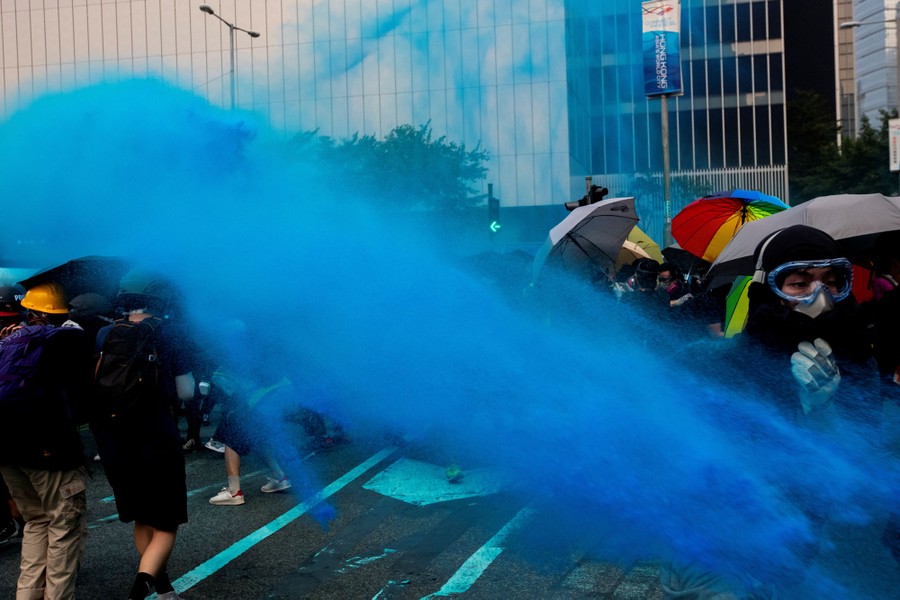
381 330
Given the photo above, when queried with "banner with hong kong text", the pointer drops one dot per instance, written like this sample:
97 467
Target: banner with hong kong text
661 41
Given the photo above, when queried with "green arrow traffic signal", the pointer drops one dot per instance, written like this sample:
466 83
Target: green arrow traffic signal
495 226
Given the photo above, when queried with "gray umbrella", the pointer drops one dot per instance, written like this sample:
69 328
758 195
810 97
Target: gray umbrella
855 220
589 238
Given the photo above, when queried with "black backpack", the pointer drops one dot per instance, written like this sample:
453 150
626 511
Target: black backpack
127 373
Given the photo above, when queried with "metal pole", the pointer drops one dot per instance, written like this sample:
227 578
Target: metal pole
667 191
231 39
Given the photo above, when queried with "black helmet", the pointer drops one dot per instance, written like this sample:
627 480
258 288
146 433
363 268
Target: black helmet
11 300
645 272
646 267
140 288
90 304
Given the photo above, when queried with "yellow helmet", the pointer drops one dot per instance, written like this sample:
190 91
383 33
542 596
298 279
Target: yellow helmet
46 298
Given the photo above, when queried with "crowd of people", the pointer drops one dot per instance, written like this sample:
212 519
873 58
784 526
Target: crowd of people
129 366
824 358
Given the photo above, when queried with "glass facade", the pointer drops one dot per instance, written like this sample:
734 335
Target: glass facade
876 57
552 89
731 114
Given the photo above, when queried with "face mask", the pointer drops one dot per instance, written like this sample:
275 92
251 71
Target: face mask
818 303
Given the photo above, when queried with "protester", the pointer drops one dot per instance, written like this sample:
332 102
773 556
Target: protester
10 309
805 334
11 522
44 374
886 264
137 436
801 309
671 280
12 525
244 428
92 312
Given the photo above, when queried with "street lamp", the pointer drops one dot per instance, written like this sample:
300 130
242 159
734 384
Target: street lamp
854 24
231 29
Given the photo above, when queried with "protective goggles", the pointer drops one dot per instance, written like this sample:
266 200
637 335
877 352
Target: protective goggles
837 279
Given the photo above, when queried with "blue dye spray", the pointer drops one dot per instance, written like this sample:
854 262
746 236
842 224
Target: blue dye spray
625 451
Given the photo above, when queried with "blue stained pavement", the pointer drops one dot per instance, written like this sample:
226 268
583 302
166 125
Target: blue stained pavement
422 483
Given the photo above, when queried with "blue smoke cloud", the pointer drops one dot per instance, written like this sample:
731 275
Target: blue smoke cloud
624 450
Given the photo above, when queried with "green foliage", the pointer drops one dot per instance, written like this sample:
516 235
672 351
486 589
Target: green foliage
408 169
818 167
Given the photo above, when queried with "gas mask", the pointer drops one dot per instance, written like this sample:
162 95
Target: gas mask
811 296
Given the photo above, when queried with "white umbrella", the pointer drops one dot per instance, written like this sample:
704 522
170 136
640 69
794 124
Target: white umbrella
589 237
853 219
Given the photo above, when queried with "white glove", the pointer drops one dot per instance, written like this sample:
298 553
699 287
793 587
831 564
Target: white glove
815 369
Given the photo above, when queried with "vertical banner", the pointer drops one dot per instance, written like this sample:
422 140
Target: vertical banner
894 144
661 41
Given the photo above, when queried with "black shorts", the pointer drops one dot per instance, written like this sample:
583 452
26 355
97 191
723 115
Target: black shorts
234 431
144 464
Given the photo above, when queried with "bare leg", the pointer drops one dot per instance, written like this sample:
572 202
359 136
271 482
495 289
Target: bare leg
232 462
155 546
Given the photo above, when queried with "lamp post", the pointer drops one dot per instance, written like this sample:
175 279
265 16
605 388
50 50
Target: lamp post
231 29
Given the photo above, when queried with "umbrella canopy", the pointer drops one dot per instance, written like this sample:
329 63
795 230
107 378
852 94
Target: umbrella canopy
706 225
855 220
639 238
737 306
638 245
590 237
99 274
629 253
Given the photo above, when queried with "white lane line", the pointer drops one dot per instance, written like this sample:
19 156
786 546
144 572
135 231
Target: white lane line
476 564
204 570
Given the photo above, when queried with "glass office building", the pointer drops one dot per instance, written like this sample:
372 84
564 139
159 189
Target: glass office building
552 89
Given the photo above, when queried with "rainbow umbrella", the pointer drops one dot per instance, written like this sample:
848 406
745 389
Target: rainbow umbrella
737 306
707 224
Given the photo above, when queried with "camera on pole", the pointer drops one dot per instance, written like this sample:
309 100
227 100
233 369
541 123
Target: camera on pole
595 194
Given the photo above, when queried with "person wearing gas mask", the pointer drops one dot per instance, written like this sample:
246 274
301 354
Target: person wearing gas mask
808 348
802 313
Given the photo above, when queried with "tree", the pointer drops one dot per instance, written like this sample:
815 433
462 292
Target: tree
818 167
408 169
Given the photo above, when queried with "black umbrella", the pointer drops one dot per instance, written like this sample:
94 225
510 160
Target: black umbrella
99 274
684 260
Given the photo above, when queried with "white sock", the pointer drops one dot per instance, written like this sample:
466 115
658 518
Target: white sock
234 484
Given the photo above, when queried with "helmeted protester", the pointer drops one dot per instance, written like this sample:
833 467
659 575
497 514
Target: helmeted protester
134 425
44 375
10 308
92 312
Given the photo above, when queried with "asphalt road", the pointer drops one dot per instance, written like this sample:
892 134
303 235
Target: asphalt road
375 520
399 530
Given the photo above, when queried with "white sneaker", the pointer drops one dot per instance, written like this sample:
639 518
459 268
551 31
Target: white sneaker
168 596
276 485
226 498
215 446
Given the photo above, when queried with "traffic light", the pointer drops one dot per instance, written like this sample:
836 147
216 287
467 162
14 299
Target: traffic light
493 210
